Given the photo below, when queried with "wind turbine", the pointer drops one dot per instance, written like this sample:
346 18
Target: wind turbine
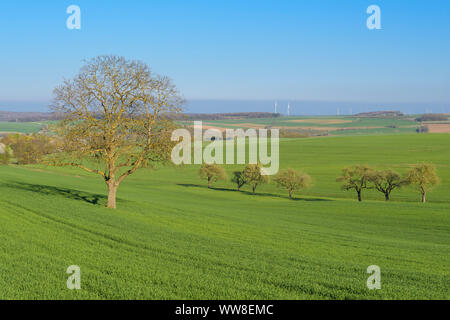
276 106
289 109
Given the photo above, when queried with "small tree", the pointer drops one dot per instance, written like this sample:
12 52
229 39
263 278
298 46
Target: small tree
239 179
292 181
424 176
254 176
356 178
387 181
212 172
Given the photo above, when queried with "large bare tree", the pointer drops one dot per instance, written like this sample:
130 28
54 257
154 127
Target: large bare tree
115 119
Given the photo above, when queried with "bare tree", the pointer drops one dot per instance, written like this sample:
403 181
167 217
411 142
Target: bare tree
253 175
114 119
212 173
387 181
424 176
239 179
356 178
292 181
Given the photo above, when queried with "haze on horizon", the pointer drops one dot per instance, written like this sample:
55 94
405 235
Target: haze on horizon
240 56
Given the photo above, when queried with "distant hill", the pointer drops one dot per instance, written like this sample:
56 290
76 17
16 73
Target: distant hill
27 116
229 116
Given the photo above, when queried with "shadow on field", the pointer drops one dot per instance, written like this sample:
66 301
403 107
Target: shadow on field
67 193
251 193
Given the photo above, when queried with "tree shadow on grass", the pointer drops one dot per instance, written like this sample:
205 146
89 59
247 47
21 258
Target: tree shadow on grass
251 193
92 198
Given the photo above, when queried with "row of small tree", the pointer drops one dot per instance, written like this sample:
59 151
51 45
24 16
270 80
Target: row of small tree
359 177
252 175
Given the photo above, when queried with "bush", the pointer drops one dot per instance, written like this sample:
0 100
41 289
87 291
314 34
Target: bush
5 154
423 129
29 149
5 158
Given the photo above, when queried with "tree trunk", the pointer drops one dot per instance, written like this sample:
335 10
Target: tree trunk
424 197
290 194
254 188
112 191
388 198
359 196
209 183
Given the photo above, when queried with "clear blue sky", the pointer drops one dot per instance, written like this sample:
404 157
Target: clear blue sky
256 50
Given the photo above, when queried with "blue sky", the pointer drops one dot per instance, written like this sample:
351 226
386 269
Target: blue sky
316 50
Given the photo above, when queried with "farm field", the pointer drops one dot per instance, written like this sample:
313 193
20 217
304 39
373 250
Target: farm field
21 127
172 238
332 125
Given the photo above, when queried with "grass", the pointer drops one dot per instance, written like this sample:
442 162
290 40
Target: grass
172 238
21 127
335 125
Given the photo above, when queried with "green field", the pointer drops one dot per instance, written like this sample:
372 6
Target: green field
21 127
333 125
172 238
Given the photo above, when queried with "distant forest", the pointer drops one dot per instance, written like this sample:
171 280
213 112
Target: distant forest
48 116
27 116
227 116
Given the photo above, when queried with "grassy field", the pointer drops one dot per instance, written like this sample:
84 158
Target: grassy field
172 238
21 127
334 125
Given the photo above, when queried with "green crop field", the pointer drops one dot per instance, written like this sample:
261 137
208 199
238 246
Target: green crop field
172 238
21 127
333 125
